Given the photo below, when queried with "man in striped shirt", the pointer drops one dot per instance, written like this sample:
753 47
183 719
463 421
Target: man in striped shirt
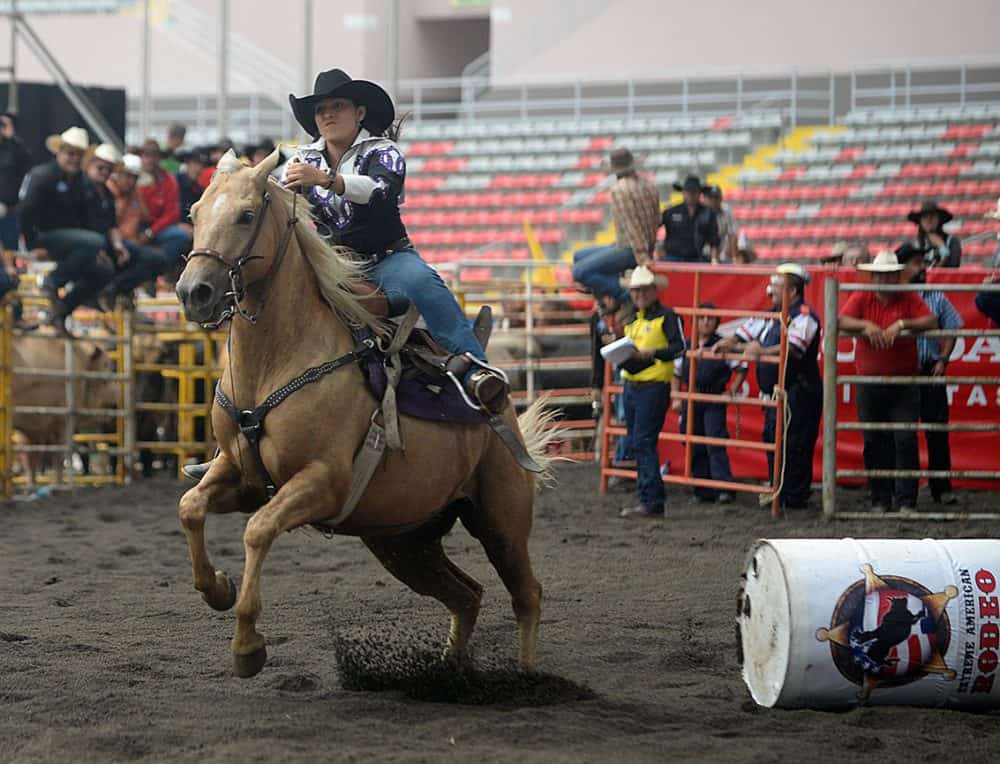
933 353
635 210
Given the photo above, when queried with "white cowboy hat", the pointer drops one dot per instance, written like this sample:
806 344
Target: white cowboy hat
105 152
643 276
132 164
74 137
794 269
884 262
995 214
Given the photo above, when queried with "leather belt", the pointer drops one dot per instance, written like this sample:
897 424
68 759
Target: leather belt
396 246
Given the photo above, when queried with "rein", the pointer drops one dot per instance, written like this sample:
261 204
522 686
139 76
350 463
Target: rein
238 288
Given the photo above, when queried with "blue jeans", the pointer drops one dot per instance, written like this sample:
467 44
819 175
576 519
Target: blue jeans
144 264
75 250
599 268
9 232
645 409
406 278
709 462
174 241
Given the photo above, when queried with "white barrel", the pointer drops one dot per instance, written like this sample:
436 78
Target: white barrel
838 622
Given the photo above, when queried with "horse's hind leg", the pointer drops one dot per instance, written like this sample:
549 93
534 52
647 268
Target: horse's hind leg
502 523
420 563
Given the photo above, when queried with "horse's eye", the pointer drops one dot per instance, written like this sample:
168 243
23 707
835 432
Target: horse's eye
247 217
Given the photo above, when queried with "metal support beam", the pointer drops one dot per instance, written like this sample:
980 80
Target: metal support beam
307 46
223 50
144 127
392 49
12 88
830 332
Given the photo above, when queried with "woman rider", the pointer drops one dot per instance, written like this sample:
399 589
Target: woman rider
353 176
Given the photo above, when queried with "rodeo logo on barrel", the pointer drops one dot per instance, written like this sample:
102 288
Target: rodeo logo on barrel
887 631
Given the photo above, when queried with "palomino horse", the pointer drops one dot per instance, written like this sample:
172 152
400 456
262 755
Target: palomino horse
295 289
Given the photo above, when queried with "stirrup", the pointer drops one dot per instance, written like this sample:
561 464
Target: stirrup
485 389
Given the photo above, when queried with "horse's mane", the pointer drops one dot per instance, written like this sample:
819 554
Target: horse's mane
334 266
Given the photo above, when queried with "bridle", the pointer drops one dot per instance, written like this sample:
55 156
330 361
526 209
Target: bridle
238 288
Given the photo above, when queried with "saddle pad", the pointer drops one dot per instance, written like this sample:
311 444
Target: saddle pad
421 397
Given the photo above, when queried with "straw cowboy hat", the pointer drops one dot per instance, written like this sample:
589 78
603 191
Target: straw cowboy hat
995 214
336 83
884 262
930 208
643 277
620 161
691 183
105 152
73 137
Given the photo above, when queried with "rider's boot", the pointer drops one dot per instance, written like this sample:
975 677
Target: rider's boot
486 387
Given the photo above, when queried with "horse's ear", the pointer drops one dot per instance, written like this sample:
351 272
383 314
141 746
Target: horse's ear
266 167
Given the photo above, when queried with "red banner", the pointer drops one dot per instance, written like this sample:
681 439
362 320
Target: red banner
973 356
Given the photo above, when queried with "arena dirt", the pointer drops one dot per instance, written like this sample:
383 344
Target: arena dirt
107 653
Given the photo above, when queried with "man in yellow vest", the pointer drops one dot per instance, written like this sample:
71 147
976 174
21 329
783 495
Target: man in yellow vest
658 336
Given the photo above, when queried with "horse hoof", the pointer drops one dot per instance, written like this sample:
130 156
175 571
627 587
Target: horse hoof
228 597
246 666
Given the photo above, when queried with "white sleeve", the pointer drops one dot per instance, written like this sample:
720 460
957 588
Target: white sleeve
750 330
802 330
358 188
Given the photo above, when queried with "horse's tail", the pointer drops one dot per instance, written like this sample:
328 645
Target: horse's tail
537 435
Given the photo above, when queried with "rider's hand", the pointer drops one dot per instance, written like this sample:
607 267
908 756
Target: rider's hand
304 175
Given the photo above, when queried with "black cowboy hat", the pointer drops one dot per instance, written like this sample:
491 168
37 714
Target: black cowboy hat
930 208
336 83
691 183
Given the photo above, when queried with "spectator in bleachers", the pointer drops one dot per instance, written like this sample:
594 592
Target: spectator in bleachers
53 218
803 384
193 163
944 248
132 264
847 255
130 212
712 376
880 317
15 161
658 337
161 195
635 210
933 355
728 230
690 227
171 160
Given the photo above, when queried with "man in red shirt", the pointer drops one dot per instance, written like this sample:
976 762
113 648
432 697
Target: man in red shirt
162 197
880 317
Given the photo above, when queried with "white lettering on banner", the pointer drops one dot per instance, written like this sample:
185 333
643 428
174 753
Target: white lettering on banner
952 389
984 346
977 397
848 357
847 393
958 350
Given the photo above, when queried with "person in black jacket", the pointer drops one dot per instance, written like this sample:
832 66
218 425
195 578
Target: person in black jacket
133 264
691 228
53 215
712 377
15 161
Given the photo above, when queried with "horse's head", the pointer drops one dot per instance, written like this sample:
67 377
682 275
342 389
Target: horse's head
234 241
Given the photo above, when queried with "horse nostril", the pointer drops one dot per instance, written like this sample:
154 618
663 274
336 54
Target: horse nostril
202 294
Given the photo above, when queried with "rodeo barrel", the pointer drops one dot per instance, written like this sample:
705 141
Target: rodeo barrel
827 623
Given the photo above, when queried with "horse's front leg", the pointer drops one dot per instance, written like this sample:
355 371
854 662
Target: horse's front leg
218 493
306 498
